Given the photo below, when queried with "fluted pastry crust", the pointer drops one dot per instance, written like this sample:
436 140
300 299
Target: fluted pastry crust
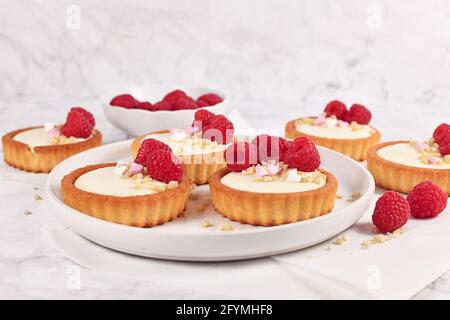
139 211
270 209
353 148
43 158
402 178
198 168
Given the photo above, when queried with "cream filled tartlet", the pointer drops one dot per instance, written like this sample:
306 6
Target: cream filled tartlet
400 165
272 181
345 131
199 147
41 148
130 193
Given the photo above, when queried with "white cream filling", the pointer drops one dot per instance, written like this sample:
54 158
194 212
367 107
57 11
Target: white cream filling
187 146
104 181
242 182
335 132
404 153
39 137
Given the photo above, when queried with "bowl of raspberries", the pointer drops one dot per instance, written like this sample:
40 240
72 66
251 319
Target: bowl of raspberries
140 110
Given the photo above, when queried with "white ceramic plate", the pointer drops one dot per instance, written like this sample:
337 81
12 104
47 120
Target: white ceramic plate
185 239
136 122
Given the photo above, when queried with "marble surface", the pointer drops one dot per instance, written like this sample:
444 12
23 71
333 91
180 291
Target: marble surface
275 60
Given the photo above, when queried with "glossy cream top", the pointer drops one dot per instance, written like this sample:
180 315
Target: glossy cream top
238 181
106 182
39 137
184 145
335 132
404 153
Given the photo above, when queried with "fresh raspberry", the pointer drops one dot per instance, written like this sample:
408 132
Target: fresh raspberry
145 106
174 96
270 147
359 114
201 103
125 101
444 144
444 148
427 200
164 166
210 99
202 118
163 106
240 156
441 132
391 212
79 123
147 147
336 108
220 129
184 104
303 155
284 146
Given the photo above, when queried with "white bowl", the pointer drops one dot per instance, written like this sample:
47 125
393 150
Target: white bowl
137 122
185 239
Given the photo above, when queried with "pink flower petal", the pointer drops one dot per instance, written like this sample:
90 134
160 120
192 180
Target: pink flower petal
320 120
273 169
135 168
343 124
260 171
192 130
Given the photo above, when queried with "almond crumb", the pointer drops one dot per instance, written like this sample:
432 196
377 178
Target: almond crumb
339 196
226 227
37 197
26 212
206 224
382 238
340 240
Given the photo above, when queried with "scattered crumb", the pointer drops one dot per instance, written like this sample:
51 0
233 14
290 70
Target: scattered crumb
340 240
206 224
226 227
382 238
194 196
37 197
339 196
354 196
26 212
35 188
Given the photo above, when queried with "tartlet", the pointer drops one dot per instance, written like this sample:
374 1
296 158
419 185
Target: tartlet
287 188
346 132
144 210
399 165
271 209
40 148
199 154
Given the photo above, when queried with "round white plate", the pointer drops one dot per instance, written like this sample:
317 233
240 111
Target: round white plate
137 122
186 239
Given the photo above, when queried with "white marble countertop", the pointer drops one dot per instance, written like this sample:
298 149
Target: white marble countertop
276 63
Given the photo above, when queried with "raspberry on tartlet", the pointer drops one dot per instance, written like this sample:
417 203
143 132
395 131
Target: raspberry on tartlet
359 114
303 155
336 108
79 123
